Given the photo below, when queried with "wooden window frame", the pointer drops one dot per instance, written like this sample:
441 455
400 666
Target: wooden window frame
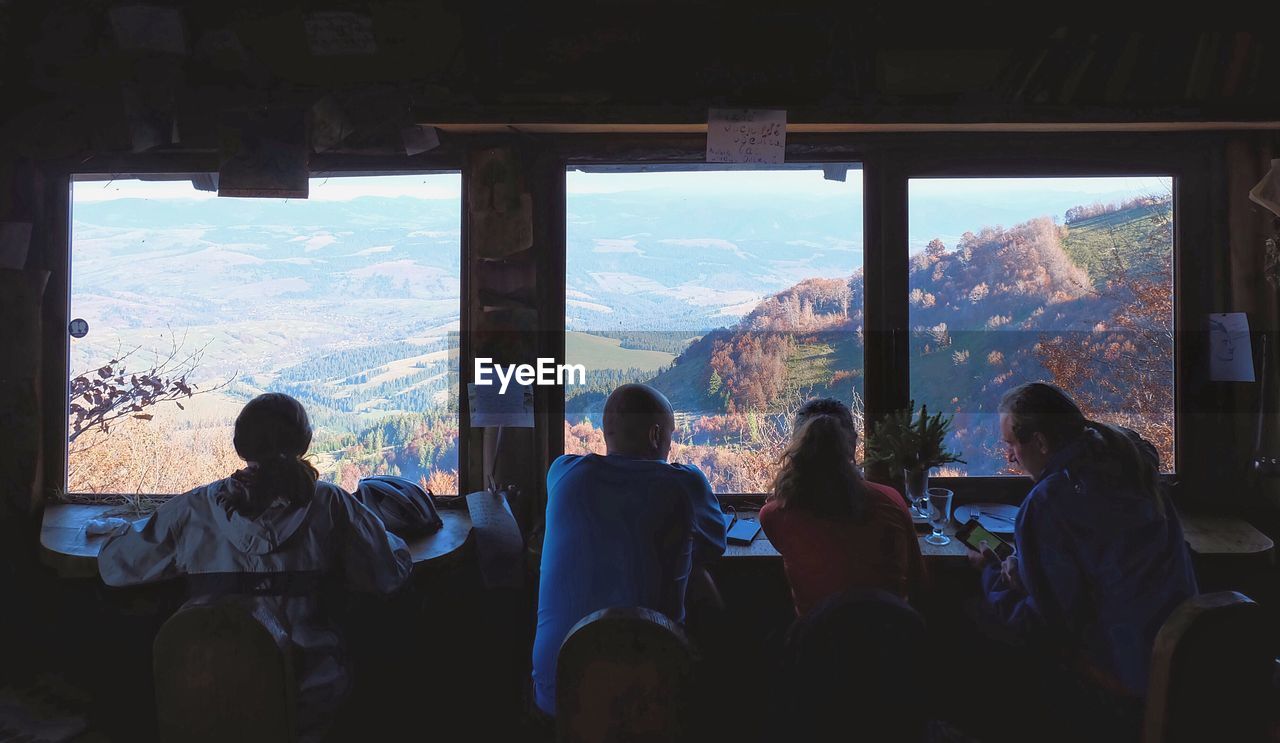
56 371
889 161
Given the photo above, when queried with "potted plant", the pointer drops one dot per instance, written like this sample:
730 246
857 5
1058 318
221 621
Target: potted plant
911 448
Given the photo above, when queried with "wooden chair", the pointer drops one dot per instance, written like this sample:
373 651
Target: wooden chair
1211 672
625 674
854 668
223 672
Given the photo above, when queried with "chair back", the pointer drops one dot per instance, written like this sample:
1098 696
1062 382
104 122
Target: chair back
1210 672
223 672
625 674
855 662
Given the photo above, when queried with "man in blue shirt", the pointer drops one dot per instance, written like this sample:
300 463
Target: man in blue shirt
624 529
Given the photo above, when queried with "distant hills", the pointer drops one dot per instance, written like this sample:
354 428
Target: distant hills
733 307
980 311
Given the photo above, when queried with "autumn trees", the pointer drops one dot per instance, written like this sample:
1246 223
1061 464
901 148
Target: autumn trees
1121 371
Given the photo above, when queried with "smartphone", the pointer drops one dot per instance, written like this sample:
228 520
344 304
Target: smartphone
743 531
973 534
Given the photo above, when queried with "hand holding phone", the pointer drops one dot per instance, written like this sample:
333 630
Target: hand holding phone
973 534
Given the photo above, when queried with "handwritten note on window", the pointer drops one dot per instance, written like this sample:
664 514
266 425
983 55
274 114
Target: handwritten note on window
743 135
335 33
1230 352
489 407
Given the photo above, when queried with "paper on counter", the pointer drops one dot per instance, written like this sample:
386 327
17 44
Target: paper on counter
499 544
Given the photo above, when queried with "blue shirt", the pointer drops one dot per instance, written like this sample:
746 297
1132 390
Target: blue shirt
619 532
1101 565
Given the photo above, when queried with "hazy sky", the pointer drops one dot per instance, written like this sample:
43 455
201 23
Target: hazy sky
438 186
448 186
812 182
939 207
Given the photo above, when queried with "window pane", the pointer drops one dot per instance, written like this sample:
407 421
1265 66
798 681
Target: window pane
1063 280
738 294
348 301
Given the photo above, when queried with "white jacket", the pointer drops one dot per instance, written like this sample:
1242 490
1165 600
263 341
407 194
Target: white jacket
333 536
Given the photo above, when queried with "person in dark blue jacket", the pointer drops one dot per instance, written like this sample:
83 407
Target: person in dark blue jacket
1101 560
624 529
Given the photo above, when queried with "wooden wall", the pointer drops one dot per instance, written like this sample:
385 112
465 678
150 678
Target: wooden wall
86 89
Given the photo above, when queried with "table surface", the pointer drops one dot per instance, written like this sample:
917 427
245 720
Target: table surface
1208 536
65 547
761 548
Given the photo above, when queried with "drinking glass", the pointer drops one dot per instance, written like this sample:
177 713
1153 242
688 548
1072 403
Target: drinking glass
939 508
916 481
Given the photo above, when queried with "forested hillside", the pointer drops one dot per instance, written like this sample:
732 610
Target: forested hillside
1086 305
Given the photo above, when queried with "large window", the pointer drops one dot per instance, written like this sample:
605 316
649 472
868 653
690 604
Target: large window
1066 280
348 300
738 294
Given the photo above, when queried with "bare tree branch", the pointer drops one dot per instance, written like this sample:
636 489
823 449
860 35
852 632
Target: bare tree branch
104 396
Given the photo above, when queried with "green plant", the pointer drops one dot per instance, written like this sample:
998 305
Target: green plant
901 443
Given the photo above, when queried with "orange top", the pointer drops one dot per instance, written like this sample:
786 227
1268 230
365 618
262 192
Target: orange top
824 556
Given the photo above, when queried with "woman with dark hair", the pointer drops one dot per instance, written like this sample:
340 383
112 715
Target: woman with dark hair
1101 560
274 533
835 530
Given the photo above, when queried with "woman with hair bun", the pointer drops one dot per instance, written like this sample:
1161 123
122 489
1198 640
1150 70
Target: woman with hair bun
276 535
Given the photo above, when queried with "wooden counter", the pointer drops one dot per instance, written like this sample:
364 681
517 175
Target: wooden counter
65 547
761 549
1208 536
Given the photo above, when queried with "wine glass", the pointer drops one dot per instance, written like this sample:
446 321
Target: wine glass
938 502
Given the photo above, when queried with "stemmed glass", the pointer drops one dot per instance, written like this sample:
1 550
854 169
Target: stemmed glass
937 504
916 482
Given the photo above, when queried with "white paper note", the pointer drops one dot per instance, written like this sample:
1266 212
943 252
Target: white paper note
419 139
336 33
1230 351
489 407
149 28
743 135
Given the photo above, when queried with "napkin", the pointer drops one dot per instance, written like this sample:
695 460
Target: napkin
111 525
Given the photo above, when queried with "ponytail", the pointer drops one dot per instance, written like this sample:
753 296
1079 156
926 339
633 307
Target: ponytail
1135 457
1041 408
273 433
293 479
816 471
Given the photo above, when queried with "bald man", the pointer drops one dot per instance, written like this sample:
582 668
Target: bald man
624 529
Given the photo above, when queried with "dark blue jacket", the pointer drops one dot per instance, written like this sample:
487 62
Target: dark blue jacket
620 532
1101 564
